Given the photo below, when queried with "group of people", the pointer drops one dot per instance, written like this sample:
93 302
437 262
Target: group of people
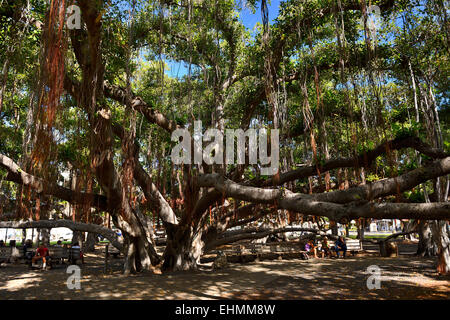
325 249
43 254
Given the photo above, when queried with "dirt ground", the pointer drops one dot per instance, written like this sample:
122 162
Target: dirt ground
404 277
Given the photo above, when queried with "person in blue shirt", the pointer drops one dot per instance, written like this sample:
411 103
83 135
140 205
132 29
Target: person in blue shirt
340 246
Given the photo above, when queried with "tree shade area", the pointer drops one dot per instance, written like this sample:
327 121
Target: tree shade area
95 94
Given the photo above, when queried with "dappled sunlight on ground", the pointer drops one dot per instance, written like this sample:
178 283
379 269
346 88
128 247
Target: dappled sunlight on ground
405 277
20 282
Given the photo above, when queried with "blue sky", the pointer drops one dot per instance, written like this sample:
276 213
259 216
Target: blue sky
248 19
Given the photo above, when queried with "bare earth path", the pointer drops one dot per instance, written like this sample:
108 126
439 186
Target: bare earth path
405 277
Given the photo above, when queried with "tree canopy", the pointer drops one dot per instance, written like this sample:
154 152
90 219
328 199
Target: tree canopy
361 101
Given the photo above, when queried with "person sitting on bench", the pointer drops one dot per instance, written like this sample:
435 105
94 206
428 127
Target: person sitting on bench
311 248
42 253
340 246
77 246
325 250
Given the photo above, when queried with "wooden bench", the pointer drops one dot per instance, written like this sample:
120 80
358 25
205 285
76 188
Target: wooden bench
74 255
5 254
31 252
254 248
287 249
237 250
58 254
160 237
251 251
353 246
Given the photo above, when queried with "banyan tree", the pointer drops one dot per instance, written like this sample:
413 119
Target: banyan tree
92 91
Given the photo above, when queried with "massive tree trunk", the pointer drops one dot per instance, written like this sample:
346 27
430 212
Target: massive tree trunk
45 236
409 226
140 253
183 250
334 228
426 246
441 235
91 240
78 237
361 228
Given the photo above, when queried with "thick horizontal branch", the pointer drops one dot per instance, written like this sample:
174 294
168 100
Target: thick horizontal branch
306 204
119 94
363 160
345 213
72 225
17 175
154 116
390 186
366 192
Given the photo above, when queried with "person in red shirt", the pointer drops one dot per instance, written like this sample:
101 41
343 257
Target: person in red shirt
41 253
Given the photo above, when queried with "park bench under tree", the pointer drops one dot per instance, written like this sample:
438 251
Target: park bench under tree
5 254
58 255
354 246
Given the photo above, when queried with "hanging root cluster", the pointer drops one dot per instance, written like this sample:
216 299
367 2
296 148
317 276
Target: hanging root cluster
51 82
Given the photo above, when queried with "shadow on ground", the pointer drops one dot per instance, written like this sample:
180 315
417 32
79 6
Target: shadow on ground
405 277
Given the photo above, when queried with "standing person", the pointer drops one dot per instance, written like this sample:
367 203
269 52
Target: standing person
340 246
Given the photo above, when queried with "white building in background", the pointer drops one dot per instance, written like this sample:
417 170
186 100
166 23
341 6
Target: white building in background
10 234
385 225
64 234
56 234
